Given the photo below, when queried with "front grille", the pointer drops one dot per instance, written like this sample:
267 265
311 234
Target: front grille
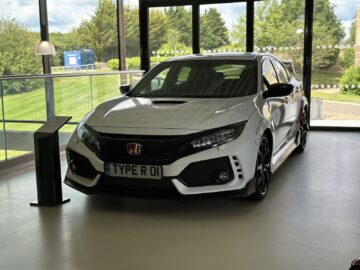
156 150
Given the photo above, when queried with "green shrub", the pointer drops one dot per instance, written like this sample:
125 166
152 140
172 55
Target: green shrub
347 57
169 50
133 63
12 87
113 64
350 81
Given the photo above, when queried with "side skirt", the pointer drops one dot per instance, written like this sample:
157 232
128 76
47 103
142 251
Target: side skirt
282 155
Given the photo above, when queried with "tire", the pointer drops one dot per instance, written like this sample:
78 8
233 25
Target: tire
262 170
303 131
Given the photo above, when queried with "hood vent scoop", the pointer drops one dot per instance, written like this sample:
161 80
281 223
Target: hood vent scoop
168 102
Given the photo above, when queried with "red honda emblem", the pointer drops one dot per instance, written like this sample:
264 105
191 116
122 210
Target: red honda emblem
134 149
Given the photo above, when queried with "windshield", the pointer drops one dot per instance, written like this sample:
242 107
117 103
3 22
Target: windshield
199 79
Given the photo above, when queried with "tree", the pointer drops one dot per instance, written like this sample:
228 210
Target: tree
99 33
157 34
64 42
132 39
172 37
17 56
158 29
213 31
351 39
276 24
180 20
17 46
347 57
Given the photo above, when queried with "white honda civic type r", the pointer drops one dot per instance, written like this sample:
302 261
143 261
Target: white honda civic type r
194 125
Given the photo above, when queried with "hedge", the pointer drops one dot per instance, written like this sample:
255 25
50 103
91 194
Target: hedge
134 62
350 81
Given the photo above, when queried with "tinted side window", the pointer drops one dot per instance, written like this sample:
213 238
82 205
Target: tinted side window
283 76
269 72
158 81
183 75
203 78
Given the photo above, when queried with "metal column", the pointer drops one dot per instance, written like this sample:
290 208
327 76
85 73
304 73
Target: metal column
49 84
144 36
196 28
308 35
250 26
121 34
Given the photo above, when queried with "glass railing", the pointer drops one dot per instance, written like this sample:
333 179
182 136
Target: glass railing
28 101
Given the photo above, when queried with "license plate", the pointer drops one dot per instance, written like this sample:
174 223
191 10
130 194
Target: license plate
133 171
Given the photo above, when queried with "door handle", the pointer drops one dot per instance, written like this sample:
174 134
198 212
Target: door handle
286 100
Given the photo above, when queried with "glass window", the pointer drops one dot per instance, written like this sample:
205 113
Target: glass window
269 73
158 82
84 34
201 78
19 35
335 93
281 72
183 75
222 27
170 32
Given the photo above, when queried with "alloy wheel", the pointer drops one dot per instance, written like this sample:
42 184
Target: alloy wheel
304 127
263 167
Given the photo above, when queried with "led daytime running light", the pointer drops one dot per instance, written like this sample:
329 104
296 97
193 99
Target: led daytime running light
86 137
217 138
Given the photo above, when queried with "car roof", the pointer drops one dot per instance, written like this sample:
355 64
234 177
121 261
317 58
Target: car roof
221 56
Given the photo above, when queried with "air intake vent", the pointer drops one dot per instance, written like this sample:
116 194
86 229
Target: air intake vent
170 102
238 167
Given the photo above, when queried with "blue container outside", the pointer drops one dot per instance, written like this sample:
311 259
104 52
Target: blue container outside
78 59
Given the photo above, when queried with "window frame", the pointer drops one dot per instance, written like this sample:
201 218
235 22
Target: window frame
274 61
262 71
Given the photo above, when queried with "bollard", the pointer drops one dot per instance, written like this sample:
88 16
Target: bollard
47 163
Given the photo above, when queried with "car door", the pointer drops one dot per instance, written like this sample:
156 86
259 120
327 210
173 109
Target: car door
290 103
276 105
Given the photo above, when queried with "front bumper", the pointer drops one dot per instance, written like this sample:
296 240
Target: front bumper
239 156
166 190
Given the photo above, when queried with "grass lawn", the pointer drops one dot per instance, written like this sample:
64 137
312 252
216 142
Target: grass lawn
73 96
325 77
11 154
76 96
335 96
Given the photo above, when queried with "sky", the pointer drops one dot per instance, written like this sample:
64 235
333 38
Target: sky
65 14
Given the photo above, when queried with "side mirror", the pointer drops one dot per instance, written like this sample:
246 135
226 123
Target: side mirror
125 88
279 90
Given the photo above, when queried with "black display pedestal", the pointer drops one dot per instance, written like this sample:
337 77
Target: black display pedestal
47 163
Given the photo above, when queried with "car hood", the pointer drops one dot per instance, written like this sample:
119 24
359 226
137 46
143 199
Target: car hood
170 113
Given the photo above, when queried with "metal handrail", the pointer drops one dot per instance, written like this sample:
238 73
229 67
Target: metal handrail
49 78
65 75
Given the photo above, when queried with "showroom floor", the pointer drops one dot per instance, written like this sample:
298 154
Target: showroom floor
310 220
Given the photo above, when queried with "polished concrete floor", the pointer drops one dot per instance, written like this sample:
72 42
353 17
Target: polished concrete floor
310 220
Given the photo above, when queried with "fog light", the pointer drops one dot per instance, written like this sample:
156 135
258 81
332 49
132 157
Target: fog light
222 177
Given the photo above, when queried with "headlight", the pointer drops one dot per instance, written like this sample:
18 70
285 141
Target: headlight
86 137
219 137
